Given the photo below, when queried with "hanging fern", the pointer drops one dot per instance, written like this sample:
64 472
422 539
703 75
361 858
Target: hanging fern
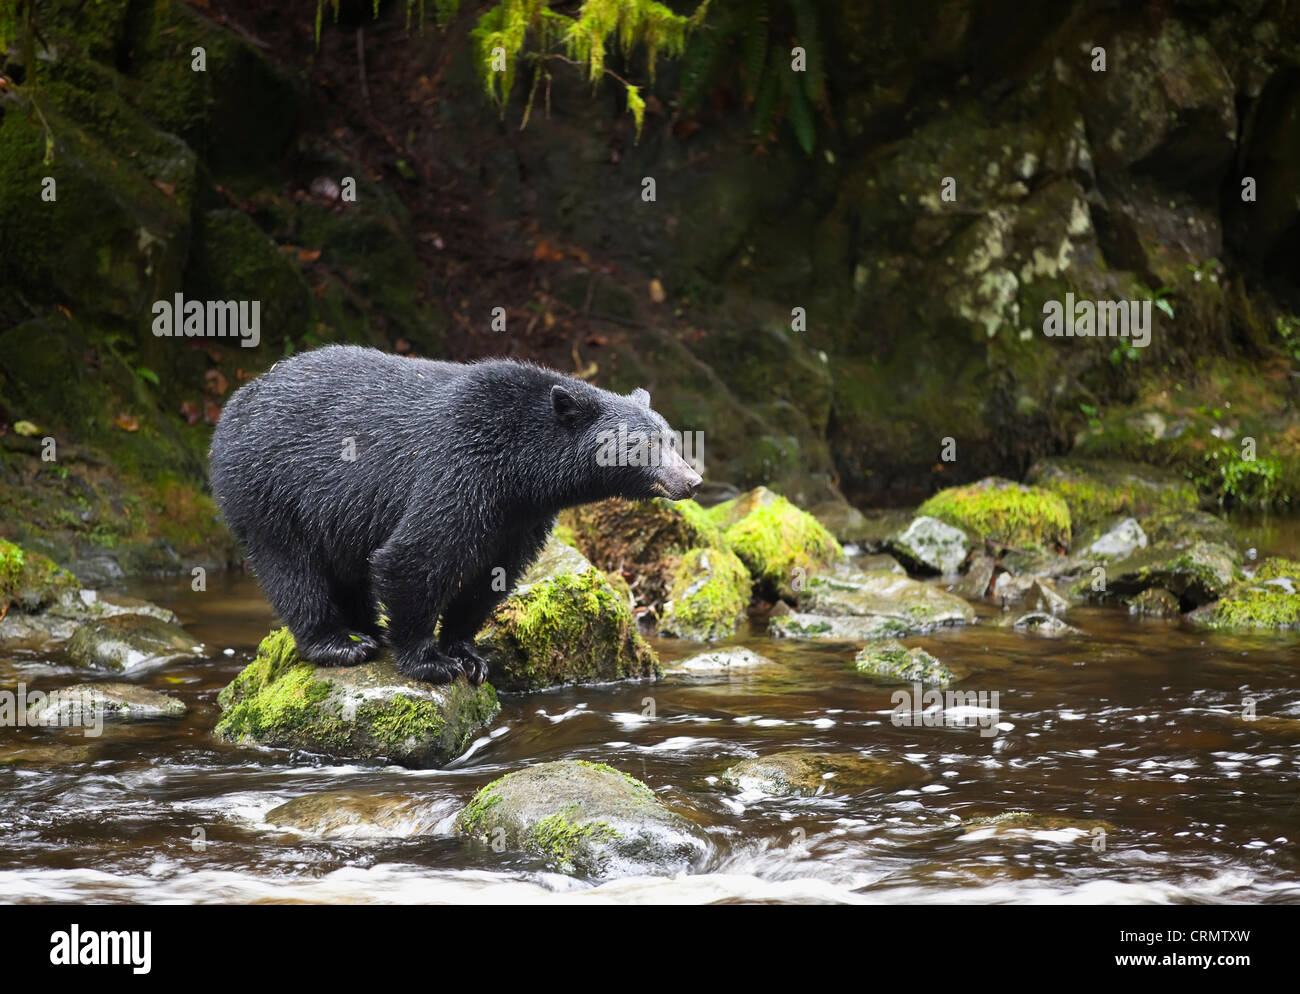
530 30
748 44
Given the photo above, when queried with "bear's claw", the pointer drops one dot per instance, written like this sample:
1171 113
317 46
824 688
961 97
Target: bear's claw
471 663
429 665
340 649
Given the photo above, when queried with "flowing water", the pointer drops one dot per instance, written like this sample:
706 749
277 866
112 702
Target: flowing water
1139 725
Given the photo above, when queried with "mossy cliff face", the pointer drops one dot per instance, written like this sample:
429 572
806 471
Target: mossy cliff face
361 712
564 623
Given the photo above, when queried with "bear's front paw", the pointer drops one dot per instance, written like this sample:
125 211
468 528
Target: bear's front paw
425 662
474 665
339 649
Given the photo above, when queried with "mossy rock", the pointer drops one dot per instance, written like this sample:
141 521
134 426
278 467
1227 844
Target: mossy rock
918 606
29 580
1001 512
1195 574
1154 602
780 545
889 661
1179 529
708 598
370 711
113 701
1268 602
928 545
645 539
1098 489
125 643
803 773
564 623
584 819
825 628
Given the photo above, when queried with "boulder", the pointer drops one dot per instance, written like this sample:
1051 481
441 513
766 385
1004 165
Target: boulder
927 545
1002 513
889 661
564 623
708 598
370 711
127 643
585 819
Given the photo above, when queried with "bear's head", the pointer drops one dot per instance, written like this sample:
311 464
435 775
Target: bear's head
627 447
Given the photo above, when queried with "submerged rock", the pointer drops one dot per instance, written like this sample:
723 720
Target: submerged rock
115 701
889 661
721 661
808 774
1004 513
370 711
781 545
916 606
564 623
930 546
820 627
1031 823
353 814
585 819
1041 623
708 598
1154 602
126 643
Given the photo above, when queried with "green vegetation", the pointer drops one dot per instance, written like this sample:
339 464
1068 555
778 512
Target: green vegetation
1006 513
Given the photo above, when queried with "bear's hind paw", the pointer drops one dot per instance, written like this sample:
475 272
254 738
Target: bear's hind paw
340 649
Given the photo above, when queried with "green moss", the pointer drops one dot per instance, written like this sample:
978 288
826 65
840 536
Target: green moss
563 533
1094 491
567 628
1276 566
627 777
473 819
1003 512
561 841
709 595
892 662
778 543
30 580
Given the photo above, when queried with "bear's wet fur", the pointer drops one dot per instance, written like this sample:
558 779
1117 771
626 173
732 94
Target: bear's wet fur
355 479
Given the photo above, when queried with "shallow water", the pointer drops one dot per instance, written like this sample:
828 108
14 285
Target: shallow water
1137 724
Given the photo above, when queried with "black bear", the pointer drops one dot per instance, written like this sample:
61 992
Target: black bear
355 478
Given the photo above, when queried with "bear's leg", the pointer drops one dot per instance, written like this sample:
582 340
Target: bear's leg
413 597
476 601
300 592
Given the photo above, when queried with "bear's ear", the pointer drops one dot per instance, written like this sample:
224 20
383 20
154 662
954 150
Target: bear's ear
570 408
641 397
